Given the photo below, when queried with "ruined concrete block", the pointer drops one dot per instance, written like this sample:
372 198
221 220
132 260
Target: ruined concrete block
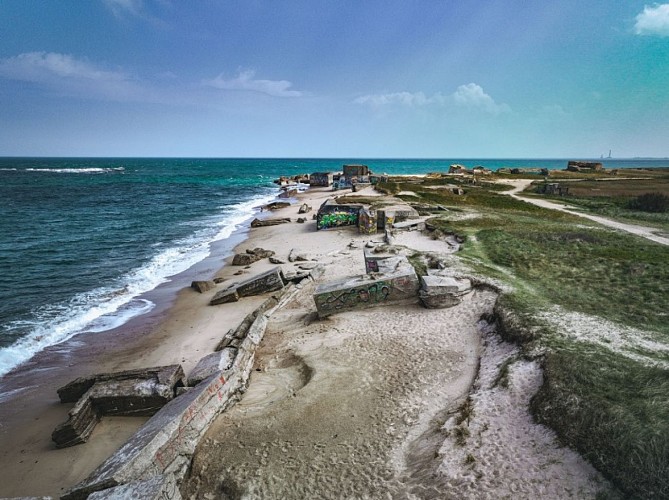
202 286
165 375
361 292
268 281
211 364
224 296
158 487
367 221
438 292
269 222
132 392
165 444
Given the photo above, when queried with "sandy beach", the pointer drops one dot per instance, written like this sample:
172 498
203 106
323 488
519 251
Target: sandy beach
362 404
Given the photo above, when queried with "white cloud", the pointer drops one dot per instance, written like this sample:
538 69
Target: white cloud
473 96
245 81
470 95
68 75
653 20
47 66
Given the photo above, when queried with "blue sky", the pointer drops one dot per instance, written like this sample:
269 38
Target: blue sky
315 78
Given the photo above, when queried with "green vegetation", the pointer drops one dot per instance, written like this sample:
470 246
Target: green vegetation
603 401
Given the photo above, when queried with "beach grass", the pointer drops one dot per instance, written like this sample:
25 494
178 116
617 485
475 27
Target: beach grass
605 391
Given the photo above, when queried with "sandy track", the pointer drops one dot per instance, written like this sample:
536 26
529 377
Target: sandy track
645 232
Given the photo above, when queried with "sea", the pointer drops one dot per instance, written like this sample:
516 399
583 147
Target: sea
83 240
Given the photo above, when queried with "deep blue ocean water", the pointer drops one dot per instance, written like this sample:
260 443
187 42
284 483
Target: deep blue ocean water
82 239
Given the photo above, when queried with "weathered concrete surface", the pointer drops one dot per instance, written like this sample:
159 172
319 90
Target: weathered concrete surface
203 286
269 281
374 255
160 487
269 222
367 221
224 296
211 364
275 205
361 292
165 375
443 291
129 393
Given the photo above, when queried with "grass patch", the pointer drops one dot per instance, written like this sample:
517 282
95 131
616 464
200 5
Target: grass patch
614 411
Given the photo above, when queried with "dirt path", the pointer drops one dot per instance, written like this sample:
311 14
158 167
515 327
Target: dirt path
645 232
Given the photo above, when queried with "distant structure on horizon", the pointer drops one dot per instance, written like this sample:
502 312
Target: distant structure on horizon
608 157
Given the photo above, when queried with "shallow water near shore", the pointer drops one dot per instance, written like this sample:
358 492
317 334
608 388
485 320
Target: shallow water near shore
83 240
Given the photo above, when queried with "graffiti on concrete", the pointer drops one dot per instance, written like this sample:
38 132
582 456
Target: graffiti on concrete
346 299
336 219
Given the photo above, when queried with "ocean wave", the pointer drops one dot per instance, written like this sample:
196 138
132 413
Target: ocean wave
111 306
90 170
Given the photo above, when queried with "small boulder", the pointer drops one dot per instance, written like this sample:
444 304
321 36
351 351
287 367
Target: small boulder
304 209
202 286
297 256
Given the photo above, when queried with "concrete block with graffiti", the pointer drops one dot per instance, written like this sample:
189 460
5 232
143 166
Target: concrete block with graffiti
362 292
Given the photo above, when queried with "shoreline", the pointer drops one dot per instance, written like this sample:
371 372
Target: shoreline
176 330
327 391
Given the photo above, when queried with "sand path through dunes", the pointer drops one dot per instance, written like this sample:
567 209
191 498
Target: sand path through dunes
643 231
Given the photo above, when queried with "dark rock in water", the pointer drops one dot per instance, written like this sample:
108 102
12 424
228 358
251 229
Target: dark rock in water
203 286
269 222
132 392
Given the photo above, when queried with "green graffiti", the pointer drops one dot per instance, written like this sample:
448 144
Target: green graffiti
336 219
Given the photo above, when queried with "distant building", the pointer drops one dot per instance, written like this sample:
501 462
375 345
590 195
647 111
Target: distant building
584 166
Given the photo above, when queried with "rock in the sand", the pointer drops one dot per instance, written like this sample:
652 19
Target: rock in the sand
276 205
297 255
268 281
251 256
219 280
276 260
304 209
269 222
203 286
155 488
301 220
308 266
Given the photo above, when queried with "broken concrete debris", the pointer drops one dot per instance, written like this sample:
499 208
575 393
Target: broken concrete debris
275 205
203 286
304 209
269 281
132 392
164 445
160 487
251 256
439 292
269 222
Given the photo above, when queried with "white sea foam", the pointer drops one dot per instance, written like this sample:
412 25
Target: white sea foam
111 306
91 170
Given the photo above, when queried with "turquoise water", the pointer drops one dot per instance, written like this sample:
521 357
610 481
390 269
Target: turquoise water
81 240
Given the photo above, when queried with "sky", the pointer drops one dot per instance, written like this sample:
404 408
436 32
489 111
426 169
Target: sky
338 78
